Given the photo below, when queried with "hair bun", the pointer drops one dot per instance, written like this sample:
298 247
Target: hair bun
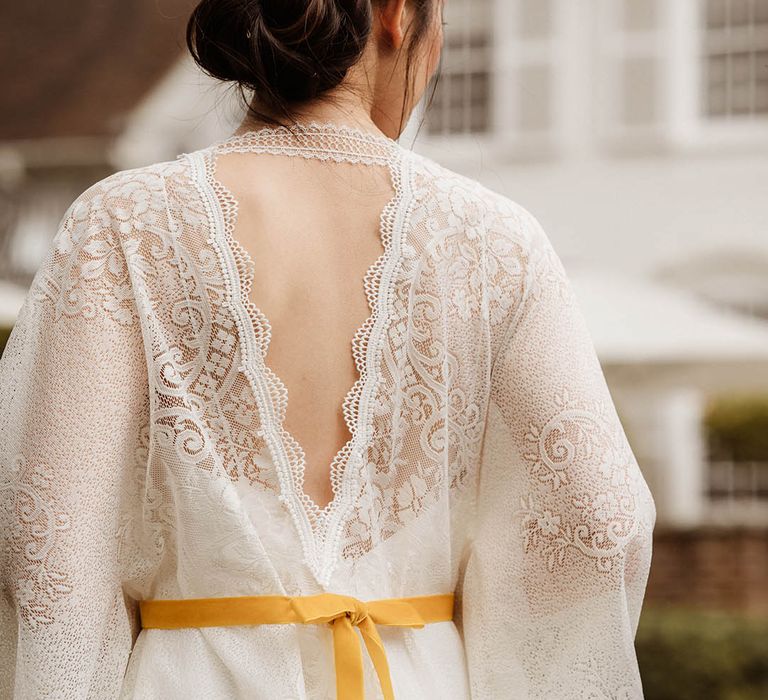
282 50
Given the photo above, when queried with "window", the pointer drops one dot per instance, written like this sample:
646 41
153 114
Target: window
502 77
462 100
735 67
737 446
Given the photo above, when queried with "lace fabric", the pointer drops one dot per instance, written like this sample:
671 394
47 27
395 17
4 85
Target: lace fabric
143 452
319 527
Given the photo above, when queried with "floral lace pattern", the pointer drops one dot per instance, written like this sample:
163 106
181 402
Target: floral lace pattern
143 452
35 539
572 535
318 527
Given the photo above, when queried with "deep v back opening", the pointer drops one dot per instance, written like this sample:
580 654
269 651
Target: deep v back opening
319 523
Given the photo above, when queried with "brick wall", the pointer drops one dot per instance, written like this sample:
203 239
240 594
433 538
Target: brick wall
710 567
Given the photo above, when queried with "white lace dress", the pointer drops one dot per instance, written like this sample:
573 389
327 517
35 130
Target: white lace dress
143 455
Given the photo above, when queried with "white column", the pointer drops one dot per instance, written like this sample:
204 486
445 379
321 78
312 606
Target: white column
504 62
575 88
682 47
665 428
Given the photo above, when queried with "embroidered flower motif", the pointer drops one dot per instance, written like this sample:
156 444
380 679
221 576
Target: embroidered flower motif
408 250
549 523
38 523
605 506
107 256
131 204
411 494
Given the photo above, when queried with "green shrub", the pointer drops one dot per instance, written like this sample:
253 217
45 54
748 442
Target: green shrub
5 331
737 427
689 654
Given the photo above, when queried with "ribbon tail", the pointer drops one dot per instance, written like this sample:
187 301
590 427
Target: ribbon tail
378 655
348 658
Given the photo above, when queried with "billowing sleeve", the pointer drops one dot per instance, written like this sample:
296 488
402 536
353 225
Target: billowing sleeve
74 399
553 579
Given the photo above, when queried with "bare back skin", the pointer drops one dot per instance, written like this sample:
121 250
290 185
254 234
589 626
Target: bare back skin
312 231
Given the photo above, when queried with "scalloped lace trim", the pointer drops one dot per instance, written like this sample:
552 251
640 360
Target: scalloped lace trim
319 528
323 140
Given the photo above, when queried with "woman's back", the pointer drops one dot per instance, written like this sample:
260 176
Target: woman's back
312 233
382 300
164 460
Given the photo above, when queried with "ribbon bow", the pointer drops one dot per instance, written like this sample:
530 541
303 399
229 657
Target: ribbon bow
346 612
342 612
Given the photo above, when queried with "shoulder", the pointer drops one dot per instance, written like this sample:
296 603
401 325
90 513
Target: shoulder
133 191
473 228
108 233
127 205
481 210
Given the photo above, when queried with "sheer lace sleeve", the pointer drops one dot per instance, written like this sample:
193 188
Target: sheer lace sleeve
555 574
74 399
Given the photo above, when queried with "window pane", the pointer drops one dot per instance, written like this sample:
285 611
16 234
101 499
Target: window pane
718 70
740 11
716 101
479 88
741 64
760 9
639 15
479 119
741 99
735 50
716 10
463 78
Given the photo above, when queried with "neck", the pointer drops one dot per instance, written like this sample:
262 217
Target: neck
343 111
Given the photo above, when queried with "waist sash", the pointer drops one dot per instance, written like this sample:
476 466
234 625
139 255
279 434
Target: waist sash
340 611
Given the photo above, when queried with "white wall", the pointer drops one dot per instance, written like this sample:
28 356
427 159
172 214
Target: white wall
186 111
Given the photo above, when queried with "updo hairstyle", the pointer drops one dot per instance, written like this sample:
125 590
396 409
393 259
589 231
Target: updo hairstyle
282 53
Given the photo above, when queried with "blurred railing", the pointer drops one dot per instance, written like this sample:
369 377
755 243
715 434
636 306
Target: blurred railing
737 491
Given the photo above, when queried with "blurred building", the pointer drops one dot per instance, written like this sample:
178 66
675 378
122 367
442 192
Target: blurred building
635 130
93 88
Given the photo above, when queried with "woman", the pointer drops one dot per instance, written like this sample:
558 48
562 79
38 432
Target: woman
183 420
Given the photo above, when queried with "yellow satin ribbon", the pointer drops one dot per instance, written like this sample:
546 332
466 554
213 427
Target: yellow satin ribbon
342 612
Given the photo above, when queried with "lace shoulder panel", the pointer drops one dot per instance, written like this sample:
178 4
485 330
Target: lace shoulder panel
90 262
504 237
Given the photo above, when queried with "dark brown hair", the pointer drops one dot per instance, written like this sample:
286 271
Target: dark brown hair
288 51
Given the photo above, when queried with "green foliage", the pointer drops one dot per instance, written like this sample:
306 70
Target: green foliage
687 654
4 333
737 426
